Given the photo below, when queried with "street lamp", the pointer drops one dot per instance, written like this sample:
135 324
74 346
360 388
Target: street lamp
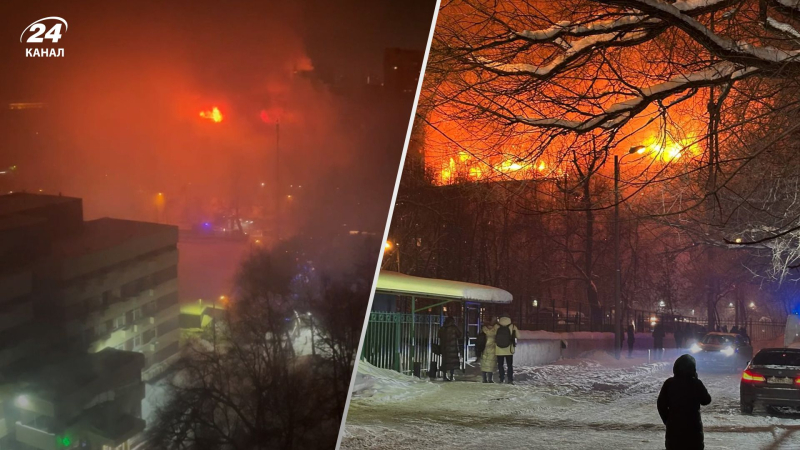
388 247
639 149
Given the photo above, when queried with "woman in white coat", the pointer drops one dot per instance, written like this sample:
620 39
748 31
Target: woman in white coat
489 354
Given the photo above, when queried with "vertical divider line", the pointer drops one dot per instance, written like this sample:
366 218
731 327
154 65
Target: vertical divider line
388 223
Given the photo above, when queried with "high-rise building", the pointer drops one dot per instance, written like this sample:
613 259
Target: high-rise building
88 310
90 285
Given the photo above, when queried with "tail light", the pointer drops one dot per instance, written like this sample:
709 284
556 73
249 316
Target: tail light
797 381
752 377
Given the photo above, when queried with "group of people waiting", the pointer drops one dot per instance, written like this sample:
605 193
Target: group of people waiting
495 348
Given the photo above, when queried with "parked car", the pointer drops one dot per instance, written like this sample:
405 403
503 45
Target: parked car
771 379
722 351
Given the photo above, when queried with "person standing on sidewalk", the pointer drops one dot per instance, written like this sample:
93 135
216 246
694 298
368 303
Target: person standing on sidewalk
631 339
679 405
488 351
658 341
506 342
450 345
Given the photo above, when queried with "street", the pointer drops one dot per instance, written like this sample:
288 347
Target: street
594 403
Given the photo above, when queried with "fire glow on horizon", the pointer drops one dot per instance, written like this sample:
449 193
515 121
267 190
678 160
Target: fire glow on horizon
214 115
459 166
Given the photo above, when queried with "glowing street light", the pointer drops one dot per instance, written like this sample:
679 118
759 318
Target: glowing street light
23 401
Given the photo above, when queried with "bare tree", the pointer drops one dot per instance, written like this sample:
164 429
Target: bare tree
243 386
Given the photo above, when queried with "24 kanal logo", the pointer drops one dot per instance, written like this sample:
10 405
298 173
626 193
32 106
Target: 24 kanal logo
46 29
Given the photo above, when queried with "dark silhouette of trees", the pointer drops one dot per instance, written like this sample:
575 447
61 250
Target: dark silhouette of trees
246 384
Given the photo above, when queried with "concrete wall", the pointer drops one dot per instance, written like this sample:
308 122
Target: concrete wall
543 347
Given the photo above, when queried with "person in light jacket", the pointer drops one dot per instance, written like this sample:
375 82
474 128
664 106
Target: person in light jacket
505 344
489 353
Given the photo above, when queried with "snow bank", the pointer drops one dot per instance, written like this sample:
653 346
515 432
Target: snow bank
384 385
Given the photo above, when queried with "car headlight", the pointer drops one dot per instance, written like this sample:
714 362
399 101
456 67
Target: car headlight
695 348
727 351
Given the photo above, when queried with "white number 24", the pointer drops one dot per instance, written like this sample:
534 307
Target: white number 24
54 34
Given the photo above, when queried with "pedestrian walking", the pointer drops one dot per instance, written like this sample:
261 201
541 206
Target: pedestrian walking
679 406
631 340
450 346
506 343
658 341
488 356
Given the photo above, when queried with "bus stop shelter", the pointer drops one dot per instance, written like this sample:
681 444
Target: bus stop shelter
402 340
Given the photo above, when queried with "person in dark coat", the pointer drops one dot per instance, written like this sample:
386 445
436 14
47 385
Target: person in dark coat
679 406
679 336
658 341
631 340
449 343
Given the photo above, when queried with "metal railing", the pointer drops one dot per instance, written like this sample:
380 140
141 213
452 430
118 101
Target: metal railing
397 340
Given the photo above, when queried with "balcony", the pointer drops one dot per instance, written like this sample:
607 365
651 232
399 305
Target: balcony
35 437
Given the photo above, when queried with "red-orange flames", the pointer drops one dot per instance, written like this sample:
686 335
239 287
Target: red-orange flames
214 115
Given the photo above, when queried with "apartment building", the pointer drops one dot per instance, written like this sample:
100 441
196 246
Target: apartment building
88 310
89 401
88 285
115 284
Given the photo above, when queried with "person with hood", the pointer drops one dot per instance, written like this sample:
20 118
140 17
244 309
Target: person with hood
489 351
505 340
631 340
679 406
450 346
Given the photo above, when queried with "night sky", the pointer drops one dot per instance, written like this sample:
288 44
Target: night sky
121 119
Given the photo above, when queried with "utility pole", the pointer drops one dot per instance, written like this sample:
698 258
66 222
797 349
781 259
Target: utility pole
617 275
617 269
277 181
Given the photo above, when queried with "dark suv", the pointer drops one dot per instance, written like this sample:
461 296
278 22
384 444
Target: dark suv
771 379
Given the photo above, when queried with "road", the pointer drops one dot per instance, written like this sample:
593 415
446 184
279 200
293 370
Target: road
596 403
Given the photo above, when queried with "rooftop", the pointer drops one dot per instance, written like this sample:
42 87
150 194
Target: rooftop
395 283
20 202
68 373
101 234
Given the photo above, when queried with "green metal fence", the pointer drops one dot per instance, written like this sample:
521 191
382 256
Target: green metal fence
397 340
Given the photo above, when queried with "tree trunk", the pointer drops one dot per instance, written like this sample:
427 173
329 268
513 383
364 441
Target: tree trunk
591 291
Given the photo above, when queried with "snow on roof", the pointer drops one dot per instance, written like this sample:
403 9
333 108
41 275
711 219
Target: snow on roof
400 284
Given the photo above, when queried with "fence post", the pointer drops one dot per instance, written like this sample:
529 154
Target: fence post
396 323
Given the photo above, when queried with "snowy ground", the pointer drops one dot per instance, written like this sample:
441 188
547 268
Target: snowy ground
591 403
